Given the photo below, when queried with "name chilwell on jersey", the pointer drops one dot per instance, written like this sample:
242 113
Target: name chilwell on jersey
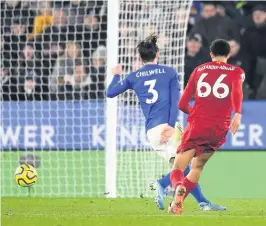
150 72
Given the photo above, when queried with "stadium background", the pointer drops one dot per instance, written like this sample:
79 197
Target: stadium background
41 54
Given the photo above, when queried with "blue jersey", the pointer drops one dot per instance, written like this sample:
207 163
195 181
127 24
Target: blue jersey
157 89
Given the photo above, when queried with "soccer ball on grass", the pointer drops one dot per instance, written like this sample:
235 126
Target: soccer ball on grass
26 175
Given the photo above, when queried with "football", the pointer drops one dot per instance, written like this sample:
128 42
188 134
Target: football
26 175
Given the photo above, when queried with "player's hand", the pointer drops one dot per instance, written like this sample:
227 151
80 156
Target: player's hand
117 70
236 121
166 134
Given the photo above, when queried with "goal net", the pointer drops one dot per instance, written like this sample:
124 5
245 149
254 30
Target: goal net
137 164
53 74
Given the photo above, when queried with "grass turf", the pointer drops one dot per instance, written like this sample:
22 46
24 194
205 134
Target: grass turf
82 174
125 212
70 173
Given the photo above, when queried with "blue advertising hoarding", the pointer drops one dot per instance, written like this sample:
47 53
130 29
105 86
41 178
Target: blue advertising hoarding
81 126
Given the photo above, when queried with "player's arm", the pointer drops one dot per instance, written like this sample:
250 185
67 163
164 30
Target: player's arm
187 95
236 98
174 91
117 87
169 130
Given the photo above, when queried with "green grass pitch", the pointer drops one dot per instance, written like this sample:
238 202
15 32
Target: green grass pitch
125 212
235 179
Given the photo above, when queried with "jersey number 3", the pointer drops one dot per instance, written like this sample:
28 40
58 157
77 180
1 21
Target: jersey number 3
208 89
151 90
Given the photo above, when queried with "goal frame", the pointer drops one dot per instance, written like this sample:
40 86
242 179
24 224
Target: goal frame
111 103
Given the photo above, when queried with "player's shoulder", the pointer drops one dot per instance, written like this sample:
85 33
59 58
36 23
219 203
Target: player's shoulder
165 66
168 69
237 72
131 77
131 74
235 68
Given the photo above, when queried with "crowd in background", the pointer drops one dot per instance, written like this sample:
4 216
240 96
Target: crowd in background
243 24
53 50
56 50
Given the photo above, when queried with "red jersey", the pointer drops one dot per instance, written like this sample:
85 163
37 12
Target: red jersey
217 89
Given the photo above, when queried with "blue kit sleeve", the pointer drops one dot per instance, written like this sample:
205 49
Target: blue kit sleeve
117 87
174 95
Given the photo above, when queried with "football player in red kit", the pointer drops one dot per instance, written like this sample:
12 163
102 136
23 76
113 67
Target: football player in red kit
217 89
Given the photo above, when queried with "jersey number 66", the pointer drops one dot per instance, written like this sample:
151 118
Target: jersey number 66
208 89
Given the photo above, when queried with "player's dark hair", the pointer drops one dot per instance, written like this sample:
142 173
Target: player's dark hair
148 48
220 47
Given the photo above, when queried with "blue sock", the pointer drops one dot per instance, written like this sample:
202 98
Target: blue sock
165 181
196 192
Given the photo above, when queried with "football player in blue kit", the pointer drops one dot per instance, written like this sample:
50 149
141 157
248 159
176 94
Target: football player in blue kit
157 89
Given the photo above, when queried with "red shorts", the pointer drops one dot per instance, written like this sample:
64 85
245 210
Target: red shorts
203 135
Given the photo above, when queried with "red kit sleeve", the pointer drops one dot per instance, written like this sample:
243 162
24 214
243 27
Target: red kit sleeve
237 93
187 95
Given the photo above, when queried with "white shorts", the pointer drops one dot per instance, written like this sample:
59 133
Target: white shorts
166 150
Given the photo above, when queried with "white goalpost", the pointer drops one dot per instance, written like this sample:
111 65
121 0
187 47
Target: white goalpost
111 104
56 60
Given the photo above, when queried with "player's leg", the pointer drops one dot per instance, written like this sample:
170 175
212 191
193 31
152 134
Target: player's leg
196 192
169 153
203 202
177 179
161 184
197 165
183 185
160 187
196 168
165 180
199 162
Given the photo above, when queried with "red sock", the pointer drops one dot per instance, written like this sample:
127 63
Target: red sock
177 178
189 186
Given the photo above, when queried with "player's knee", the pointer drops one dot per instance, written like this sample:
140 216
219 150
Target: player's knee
199 162
198 165
197 168
179 166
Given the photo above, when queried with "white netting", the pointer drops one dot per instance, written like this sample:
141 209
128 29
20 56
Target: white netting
53 58
137 166
53 72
